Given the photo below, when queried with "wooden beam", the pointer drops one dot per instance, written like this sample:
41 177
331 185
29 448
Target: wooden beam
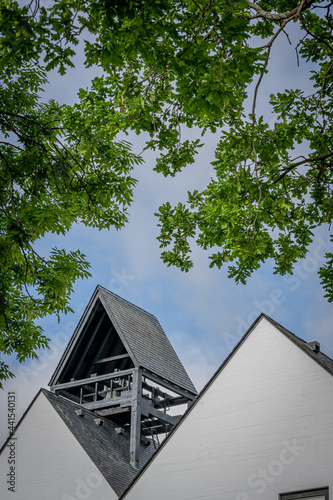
169 419
112 358
157 427
177 401
68 395
113 411
92 380
169 400
92 337
168 385
122 402
108 336
135 432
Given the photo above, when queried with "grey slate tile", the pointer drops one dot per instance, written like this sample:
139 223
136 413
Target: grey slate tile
107 449
147 340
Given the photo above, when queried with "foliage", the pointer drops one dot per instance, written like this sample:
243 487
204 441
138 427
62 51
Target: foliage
167 64
59 165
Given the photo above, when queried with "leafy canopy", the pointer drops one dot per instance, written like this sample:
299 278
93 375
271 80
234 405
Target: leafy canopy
167 64
59 165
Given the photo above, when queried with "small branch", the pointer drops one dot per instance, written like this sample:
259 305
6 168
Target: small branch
298 163
322 87
11 145
258 85
289 41
259 185
322 40
26 118
269 47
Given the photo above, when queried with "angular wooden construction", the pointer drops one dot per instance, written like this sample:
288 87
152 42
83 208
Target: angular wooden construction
121 365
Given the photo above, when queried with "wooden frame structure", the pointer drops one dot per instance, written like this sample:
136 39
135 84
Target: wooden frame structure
108 368
128 398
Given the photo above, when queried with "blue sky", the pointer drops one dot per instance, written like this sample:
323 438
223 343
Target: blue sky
203 312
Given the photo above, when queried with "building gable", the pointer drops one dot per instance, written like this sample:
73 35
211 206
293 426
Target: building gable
49 461
262 426
57 431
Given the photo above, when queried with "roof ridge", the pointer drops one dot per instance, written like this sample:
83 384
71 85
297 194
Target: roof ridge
300 342
281 327
127 301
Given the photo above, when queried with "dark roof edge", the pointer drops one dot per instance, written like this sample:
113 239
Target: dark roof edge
74 336
125 300
116 325
21 420
98 293
301 344
296 340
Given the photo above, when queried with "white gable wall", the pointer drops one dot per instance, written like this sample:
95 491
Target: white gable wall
50 463
263 427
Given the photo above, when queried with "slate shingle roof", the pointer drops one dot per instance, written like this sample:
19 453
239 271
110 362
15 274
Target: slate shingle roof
146 339
107 449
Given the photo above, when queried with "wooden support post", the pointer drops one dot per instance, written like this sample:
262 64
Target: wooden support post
136 418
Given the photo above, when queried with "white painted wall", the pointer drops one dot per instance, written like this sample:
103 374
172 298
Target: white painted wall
50 463
264 427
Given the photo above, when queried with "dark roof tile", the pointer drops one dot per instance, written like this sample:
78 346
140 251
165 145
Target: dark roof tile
108 449
146 339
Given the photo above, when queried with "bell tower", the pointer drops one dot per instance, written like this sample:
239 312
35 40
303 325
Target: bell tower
120 364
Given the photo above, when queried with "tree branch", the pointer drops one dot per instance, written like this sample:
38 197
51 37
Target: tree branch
322 40
269 47
28 119
298 163
305 4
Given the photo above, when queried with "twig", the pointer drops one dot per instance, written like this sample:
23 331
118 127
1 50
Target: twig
297 164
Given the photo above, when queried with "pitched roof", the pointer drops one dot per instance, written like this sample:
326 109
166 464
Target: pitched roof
325 361
141 334
322 359
146 340
108 449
